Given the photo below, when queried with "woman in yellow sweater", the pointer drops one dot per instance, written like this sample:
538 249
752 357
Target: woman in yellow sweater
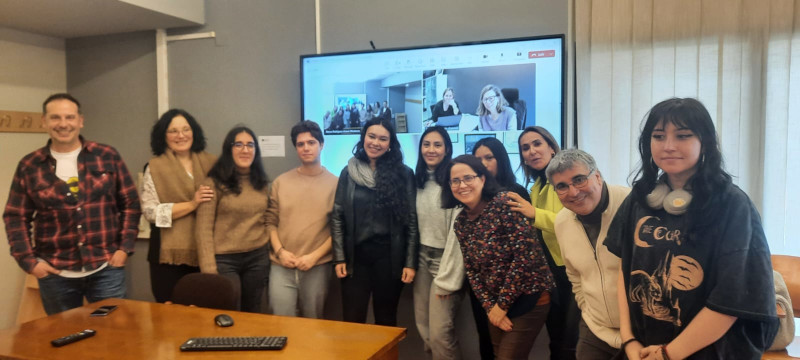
536 148
232 228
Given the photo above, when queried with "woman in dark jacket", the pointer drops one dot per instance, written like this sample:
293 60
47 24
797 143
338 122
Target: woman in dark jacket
445 107
375 237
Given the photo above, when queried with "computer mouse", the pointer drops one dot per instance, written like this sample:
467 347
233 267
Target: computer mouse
223 320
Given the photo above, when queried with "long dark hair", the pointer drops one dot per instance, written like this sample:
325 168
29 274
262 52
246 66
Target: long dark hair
531 174
709 181
224 170
158 135
439 175
490 185
505 175
390 186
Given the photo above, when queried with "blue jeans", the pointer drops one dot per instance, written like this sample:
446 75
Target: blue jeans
61 294
250 270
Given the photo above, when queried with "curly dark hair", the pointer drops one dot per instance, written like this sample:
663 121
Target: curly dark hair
440 174
709 181
505 174
389 185
224 170
158 135
490 185
531 174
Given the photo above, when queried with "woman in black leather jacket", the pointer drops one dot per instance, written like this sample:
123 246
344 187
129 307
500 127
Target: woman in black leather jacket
375 237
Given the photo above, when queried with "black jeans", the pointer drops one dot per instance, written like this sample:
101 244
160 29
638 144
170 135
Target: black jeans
590 347
482 325
251 270
164 277
372 275
564 317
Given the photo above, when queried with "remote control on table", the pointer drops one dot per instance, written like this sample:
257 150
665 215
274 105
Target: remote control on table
71 338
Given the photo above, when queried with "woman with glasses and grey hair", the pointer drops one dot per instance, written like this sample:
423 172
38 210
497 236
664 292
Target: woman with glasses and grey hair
494 112
504 262
232 229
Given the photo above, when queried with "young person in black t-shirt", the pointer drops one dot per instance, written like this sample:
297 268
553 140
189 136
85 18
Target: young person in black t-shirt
696 276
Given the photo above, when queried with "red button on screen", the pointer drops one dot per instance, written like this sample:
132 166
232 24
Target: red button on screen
541 54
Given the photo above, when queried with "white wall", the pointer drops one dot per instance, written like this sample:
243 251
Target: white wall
192 10
31 68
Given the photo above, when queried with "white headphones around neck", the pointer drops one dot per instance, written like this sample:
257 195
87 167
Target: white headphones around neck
674 202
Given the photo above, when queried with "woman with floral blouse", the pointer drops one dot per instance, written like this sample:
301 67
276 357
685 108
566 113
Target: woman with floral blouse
505 265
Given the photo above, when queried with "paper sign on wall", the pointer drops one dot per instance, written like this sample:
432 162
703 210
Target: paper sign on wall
272 146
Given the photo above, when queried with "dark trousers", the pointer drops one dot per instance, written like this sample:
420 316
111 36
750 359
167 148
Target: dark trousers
564 317
163 278
482 324
250 270
590 347
371 275
517 343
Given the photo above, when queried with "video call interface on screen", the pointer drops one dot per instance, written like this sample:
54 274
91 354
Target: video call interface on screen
529 72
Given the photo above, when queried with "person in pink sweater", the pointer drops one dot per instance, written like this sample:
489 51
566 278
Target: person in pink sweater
298 221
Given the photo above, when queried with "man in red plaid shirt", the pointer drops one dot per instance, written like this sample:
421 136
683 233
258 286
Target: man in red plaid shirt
73 213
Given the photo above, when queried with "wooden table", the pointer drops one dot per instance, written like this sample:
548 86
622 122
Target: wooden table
791 352
143 330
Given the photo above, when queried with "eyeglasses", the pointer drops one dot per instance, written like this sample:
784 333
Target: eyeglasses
174 132
467 180
579 182
240 145
489 98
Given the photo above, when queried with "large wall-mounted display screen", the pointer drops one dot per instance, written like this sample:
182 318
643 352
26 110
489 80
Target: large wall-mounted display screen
410 86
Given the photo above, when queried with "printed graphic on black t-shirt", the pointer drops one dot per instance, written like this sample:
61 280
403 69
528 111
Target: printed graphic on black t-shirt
670 278
657 286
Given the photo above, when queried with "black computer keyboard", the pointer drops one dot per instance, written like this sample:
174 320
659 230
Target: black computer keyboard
234 343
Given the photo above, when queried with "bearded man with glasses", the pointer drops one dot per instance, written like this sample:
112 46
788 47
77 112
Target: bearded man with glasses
589 206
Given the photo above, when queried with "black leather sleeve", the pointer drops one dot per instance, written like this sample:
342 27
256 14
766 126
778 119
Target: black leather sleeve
338 218
412 233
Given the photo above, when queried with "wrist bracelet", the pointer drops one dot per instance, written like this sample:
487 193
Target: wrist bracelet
626 342
664 353
278 253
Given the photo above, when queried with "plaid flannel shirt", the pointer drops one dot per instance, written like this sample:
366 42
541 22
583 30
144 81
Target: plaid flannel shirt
71 232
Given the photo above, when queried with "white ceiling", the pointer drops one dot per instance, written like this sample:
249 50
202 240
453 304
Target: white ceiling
76 18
